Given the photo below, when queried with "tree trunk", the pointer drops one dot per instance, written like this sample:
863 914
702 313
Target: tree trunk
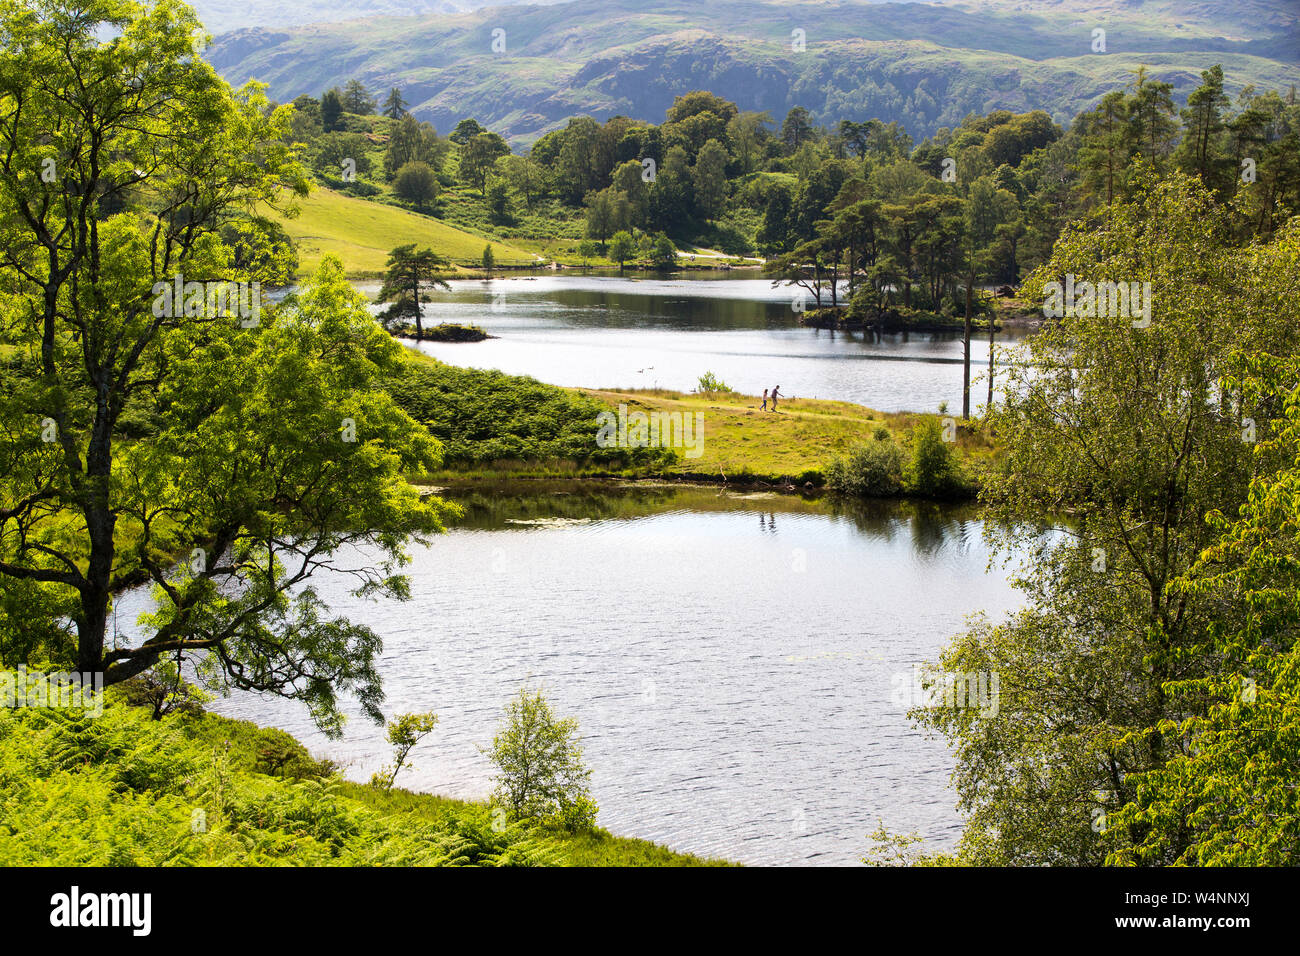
992 329
415 294
965 361
92 626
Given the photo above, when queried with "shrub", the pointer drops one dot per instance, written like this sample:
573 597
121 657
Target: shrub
403 733
710 384
932 469
485 416
873 468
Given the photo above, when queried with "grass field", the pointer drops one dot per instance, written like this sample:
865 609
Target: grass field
362 234
796 442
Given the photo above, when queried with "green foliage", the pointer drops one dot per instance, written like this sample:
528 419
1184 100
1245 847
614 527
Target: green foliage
417 184
622 247
481 417
540 775
1227 794
403 733
124 790
267 433
1136 432
932 469
331 110
164 691
710 384
870 469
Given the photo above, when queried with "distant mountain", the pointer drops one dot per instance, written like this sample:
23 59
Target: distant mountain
925 65
221 16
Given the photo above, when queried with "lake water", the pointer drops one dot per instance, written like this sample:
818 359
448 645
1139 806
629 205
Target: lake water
623 332
733 660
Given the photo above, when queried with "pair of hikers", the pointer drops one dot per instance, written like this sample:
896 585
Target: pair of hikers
775 394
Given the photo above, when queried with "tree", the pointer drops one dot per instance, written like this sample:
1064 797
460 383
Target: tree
395 106
489 261
805 267
412 142
1227 796
1202 150
627 179
416 183
403 733
987 208
410 272
857 136
583 160
1104 151
670 197
333 150
238 443
1152 128
540 775
465 131
622 248
710 179
356 99
498 202
331 110
525 176
663 253
748 132
608 211
478 157
1136 431
778 215
796 129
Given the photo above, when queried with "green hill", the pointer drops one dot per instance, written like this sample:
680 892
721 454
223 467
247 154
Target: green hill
362 233
924 65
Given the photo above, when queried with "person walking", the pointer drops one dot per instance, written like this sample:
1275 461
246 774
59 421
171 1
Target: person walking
775 392
764 408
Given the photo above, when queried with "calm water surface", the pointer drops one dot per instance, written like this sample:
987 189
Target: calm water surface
612 332
729 658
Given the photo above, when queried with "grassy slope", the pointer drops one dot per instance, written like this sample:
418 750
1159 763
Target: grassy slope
598 848
362 234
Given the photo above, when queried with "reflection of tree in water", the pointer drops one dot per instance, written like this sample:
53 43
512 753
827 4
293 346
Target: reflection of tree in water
932 524
935 526
503 504
490 505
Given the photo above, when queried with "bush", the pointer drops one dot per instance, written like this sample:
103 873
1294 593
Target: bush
483 417
872 469
932 470
710 384
417 184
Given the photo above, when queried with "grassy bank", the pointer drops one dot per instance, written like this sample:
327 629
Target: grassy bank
741 443
791 445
